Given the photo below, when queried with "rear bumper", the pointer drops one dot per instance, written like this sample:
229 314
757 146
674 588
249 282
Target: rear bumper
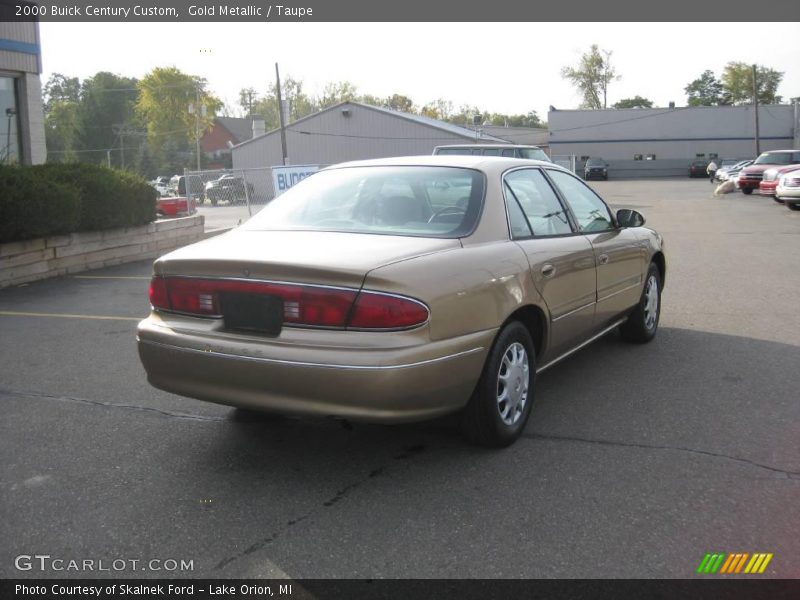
382 385
767 188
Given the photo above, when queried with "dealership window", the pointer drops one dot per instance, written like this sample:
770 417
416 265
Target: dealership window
700 155
650 157
713 155
637 157
9 119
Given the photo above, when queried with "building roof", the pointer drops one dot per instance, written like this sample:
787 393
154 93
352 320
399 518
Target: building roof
442 125
469 134
240 129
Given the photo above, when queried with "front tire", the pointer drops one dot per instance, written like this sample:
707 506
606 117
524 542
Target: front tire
778 200
793 205
642 323
501 403
747 191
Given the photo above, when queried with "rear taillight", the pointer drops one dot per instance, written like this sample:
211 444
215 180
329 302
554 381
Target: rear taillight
303 305
374 310
158 293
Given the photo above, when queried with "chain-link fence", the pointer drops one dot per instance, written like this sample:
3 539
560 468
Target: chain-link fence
568 161
229 197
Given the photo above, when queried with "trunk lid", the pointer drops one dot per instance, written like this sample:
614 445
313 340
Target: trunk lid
327 258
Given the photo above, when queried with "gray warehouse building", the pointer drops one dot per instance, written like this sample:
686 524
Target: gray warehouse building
663 141
353 131
21 116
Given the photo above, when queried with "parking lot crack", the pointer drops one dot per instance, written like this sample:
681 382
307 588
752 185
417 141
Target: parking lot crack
87 401
560 438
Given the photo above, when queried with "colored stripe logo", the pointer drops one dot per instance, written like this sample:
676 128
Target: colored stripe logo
735 563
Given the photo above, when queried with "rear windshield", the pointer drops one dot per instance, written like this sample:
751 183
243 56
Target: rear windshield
439 202
778 158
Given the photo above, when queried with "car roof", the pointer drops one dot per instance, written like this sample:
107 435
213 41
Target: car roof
479 145
468 161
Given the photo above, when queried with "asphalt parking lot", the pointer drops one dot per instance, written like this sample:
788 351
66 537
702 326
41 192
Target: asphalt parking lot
636 462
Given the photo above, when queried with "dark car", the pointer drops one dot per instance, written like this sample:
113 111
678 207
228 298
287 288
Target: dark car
594 168
698 168
228 188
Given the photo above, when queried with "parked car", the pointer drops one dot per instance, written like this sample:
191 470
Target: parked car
177 202
160 184
769 181
401 289
175 206
508 150
228 188
595 167
788 189
725 173
750 177
698 168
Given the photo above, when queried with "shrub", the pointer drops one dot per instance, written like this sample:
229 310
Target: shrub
61 198
32 207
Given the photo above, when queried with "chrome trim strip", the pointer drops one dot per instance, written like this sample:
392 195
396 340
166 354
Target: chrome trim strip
630 287
580 346
293 363
572 312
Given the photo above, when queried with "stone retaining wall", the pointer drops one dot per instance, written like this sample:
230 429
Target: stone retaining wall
30 260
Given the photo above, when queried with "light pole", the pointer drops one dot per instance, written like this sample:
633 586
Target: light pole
10 112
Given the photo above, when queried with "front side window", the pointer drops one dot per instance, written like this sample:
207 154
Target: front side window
418 201
529 189
590 211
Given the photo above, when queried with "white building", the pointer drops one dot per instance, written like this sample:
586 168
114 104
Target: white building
21 115
663 141
353 131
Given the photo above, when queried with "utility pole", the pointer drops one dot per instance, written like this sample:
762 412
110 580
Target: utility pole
280 112
198 110
755 105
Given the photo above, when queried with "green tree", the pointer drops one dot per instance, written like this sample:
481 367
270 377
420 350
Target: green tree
337 92
168 106
592 77
438 109
400 102
106 109
60 88
635 102
706 90
737 82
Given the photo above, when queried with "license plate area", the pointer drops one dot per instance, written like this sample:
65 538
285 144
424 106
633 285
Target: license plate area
252 313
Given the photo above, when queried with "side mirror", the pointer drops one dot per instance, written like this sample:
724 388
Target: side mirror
629 218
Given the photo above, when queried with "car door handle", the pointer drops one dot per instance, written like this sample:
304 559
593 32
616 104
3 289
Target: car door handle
548 270
603 259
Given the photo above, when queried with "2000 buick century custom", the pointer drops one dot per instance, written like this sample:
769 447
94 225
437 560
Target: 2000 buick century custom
402 289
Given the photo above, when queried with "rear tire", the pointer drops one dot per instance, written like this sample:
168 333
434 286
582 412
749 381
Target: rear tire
747 191
642 323
793 205
501 403
778 200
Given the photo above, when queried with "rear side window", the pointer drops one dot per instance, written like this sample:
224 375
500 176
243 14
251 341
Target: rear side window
590 211
539 204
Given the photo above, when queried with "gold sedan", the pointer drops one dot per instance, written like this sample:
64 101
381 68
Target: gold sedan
403 289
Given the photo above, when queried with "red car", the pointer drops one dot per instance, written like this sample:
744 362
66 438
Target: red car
770 180
176 206
750 177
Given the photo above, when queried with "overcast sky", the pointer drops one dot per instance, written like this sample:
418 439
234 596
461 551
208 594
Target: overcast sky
500 67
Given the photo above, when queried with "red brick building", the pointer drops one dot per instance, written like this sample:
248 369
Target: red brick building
226 132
